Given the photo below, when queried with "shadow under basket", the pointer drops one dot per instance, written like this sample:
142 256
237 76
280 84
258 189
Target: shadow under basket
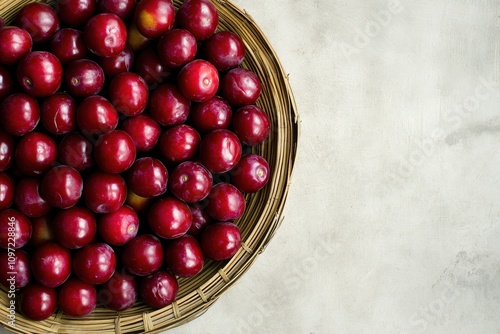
260 222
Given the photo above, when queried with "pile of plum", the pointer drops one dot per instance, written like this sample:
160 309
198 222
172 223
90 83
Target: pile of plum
126 135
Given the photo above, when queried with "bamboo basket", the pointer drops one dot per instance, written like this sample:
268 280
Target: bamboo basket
263 214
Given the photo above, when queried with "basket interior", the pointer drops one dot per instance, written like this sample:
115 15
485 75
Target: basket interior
259 223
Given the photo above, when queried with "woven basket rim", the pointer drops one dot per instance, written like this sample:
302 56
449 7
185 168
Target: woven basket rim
281 152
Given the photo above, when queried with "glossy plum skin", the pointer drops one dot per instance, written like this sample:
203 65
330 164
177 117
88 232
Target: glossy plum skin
104 192
190 182
143 130
220 150
143 255
114 152
40 73
95 115
179 143
15 43
250 174
35 153
28 199
120 63
77 298
129 94
6 82
150 68
22 228
177 47
75 13
119 293
159 290
184 256
225 50
7 149
240 87
200 17
225 202
74 227
169 218
251 125
148 177
94 263
105 35
154 17
119 227
76 151
21 269
7 189
58 114
38 302
198 80
84 78
220 241
51 264
200 219
19 114
40 20
124 9
68 45
62 186
168 106
211 115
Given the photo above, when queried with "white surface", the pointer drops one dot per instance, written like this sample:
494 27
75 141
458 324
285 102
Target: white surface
393 219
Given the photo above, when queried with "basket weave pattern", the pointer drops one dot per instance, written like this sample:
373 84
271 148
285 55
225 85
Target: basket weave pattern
262 217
